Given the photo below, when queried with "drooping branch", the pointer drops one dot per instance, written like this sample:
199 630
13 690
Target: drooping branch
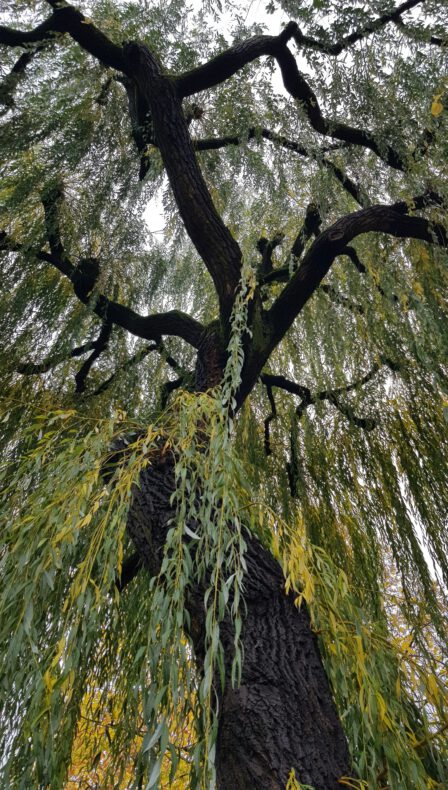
150 327
235 58
335 49
227 63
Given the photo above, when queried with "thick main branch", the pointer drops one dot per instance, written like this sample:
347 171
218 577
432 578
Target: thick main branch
214 242
332 242
235 58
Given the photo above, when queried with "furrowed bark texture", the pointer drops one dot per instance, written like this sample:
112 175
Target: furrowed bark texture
282 716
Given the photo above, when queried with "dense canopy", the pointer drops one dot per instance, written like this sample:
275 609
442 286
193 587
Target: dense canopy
223 250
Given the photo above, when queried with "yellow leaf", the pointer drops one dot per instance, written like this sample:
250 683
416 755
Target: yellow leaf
436 107
49 681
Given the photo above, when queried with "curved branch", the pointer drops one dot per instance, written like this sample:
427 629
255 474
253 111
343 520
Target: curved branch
332 242
227 63
67 19
347 41
235 58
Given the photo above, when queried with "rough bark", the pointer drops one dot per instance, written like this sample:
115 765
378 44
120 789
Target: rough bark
282 716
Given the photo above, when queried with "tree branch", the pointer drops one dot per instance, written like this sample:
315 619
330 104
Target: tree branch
422 36
214 242
34 369
235 58
21 38
371 27
67 19
100 346
129 571
270 417
139 356
310 227
151 327
332 242
10 82
215 143
331 395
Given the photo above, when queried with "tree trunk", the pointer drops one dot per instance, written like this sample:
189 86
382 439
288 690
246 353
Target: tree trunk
282 716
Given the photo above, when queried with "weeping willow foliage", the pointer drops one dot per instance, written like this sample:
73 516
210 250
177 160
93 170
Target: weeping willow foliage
351 496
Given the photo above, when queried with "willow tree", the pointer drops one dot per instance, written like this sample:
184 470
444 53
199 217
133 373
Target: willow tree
224 449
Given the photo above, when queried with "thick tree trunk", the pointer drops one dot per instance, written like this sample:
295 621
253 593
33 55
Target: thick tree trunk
282 716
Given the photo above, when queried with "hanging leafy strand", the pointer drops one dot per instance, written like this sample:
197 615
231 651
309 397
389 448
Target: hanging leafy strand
69 560
204 552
